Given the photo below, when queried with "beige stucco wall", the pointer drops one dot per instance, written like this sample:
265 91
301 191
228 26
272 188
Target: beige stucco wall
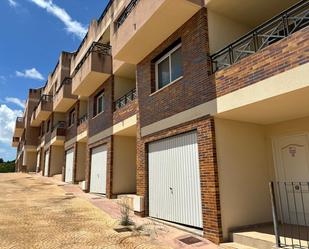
223 30
29 160
56 160
124 165
246 165
243 174
291 127
81 161
83 108
58 116
122 86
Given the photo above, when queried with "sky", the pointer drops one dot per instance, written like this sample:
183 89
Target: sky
33 33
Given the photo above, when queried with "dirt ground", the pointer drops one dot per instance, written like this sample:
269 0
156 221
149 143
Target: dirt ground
37 214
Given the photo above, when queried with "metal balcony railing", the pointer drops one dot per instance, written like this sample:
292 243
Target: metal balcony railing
82 119
15 139
279 27
66 81
59 125
124 100
96 47
20 119
126 13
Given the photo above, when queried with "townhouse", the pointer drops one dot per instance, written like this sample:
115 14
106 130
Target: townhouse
192 107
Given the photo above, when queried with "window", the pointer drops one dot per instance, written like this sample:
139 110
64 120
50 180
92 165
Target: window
169 67
72 117
99 104
48 126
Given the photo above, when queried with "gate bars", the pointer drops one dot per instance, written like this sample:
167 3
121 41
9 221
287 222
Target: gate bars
290 210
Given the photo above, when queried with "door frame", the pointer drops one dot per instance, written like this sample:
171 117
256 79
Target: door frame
90 165
275 152
199 169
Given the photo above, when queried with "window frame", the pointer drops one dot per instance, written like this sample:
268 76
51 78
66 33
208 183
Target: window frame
169 56
96 103
72 120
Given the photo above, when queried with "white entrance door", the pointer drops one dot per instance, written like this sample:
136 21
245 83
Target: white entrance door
174 180
69 155
98 170
292 168
46 168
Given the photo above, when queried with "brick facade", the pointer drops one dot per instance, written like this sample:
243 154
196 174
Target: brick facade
71 131
104 120
205 128
193 89
125 112
109 174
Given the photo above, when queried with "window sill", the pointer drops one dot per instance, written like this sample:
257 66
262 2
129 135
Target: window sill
94 117
166 86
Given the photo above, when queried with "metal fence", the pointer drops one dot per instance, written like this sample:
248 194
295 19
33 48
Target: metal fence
126 13
279 27
96 47
290 206
124 100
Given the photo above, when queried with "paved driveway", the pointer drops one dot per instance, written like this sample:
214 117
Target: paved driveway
35 213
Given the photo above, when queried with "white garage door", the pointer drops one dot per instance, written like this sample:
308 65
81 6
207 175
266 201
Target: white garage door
46 168
174 180
38 158
98 170
69 155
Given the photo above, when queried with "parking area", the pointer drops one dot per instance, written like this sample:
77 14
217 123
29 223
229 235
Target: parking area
38 212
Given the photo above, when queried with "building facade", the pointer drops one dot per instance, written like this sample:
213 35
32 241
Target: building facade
190 107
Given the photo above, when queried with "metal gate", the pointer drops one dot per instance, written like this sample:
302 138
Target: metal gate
290 206
174 180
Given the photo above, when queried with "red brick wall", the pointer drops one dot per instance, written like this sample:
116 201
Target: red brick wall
193 89
109 175
103 120
71 131
274 59
125 112
208 171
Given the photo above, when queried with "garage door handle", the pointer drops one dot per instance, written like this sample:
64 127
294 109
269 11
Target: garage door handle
171 189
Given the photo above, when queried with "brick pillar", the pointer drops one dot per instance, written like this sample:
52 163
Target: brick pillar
209 181
109 168
141 169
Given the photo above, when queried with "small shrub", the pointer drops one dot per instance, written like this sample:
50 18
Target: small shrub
125 210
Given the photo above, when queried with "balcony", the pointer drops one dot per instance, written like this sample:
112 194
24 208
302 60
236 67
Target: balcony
15 142
125 100
82 128
58 133
19 127
277 28
63 98
125 107
151 21
42 110
93 69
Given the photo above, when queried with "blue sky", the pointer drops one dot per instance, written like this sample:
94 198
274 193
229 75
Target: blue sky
33 33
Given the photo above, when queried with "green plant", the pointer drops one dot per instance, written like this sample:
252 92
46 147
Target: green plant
125 210
7 167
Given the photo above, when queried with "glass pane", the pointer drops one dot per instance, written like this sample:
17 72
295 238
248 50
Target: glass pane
100 104
176 58
163 73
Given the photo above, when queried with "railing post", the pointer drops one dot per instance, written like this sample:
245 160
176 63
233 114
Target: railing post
274 213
